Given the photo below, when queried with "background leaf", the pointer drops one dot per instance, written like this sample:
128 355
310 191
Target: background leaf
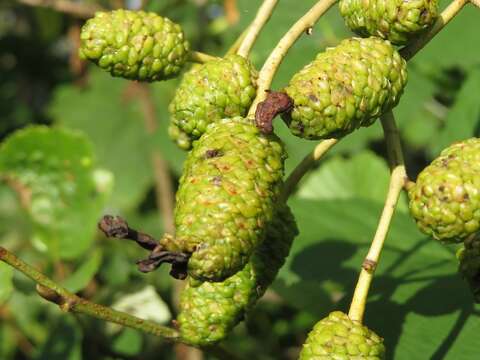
6 286
53 171
84 273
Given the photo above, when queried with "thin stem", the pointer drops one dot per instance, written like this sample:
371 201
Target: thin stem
476 3
199 57
83 11
234 47
276 56
444 18
305 165
69 302
263 14
397 181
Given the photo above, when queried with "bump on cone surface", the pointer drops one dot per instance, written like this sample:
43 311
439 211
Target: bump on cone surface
226 197
182 139
469 264
134 45
208 311
445 200
218 89
345 87
339 338
398 21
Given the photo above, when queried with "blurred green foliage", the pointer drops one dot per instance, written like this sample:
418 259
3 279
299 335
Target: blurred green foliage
95 156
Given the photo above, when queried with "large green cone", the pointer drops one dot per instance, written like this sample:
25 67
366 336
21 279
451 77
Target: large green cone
345 87
226 196
135 45
445 201
469 264
398 21
218 89
208 311
338 338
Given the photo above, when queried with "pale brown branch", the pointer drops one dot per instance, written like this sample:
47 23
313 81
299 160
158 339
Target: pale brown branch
163 183
80 10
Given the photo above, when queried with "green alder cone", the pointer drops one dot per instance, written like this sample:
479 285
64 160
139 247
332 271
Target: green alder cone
218 89
135 45
208 311
395 20
227 193
339 338
345 87
181 138
469 264
445 200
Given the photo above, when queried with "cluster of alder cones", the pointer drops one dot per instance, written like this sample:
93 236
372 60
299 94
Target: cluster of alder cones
233 231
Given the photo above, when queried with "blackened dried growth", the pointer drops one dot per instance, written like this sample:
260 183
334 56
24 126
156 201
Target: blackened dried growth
117 227
276 103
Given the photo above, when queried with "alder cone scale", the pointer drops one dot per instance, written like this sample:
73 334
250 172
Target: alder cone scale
209 310
445 200
398 21
135 45
344 88
339 337
226 197
218 89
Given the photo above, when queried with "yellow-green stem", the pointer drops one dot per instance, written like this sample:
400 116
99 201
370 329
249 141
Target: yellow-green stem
398 179
263 14
444 18
275 58
199 57
69 302
476 3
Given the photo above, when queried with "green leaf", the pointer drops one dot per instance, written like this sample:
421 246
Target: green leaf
64 341
364 175
85 272
128 342
9 341
6 286
115 125
456 44
53 170
416 284
463 118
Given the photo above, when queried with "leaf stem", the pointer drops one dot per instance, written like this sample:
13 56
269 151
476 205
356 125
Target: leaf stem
69 302
275 58
199 57
398 179
263 14
304 166
444 18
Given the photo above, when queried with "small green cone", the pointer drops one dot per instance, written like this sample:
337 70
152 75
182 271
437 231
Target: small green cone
208 311
338 338
469 264
445 200
218 89
398 21
135 45
344 88
226 197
